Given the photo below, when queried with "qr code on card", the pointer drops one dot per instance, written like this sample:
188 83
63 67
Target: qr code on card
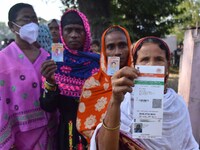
156 103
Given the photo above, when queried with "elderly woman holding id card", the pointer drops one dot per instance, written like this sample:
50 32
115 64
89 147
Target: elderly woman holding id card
97 90
117 126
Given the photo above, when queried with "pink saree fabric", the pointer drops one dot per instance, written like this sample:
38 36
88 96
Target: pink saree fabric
22 121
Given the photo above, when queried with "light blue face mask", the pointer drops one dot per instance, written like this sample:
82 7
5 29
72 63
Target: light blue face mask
28 32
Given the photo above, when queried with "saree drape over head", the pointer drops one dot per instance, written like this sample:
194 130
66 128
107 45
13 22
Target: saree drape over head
78 65
96 93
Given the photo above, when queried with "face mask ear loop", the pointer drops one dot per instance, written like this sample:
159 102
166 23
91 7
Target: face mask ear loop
16 24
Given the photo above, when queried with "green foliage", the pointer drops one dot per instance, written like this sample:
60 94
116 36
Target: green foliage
189 18
5 32
70 3
143 18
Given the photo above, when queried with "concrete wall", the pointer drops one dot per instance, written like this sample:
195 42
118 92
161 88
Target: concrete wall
189 77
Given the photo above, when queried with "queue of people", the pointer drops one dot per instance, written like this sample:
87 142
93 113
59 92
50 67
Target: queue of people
76 103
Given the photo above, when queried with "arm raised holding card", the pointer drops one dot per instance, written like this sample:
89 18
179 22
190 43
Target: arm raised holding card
48 99
118 122
65 76
122 82
97 90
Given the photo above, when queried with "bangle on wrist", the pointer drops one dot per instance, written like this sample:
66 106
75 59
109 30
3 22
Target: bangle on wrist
49 88
50 84
108 128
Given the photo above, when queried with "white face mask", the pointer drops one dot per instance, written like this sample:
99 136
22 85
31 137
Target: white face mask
28 32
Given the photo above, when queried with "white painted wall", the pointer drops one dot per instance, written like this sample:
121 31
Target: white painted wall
189 78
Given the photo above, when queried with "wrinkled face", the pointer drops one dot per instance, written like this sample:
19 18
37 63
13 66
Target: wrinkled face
74 36
54 29
24 16
116 45
150 54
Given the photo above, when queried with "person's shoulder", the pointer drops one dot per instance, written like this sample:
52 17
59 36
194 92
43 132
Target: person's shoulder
5 50
179 98
2 54
44 54
95 56
4 59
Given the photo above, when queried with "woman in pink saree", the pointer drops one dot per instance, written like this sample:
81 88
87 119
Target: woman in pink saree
23 124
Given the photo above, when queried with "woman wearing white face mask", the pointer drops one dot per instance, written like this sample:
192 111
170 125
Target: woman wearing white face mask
23 124
28 32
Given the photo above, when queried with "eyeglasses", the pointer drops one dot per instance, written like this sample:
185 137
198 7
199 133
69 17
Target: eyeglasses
27 19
